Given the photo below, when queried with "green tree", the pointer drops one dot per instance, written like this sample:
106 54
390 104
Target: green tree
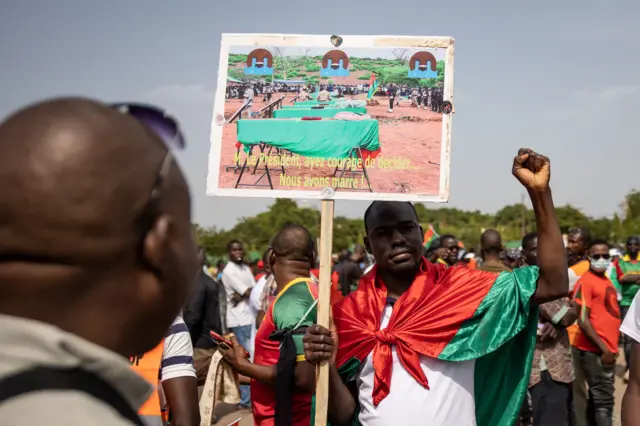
511 221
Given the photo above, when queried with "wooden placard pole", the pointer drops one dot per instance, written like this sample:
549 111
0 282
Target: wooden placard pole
324 305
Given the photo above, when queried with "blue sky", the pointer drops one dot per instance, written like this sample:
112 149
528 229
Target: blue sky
557 76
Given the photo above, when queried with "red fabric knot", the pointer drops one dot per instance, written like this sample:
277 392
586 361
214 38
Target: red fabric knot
386 337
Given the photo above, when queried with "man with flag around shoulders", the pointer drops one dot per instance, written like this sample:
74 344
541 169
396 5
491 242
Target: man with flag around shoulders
421 341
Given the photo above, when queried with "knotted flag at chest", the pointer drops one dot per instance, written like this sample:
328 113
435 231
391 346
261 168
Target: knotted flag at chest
451 314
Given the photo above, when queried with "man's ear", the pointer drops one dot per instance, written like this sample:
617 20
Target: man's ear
271 258
366 244
156 243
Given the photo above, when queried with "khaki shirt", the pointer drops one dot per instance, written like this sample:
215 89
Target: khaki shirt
25 344
493 266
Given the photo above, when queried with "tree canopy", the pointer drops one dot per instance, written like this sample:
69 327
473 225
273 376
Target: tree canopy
512 221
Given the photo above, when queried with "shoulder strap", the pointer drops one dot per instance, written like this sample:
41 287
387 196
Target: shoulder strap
49 378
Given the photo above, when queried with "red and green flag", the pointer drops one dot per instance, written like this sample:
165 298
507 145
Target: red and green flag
451 314
430 236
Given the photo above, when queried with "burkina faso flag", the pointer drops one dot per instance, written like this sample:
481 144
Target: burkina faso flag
451 314
430 236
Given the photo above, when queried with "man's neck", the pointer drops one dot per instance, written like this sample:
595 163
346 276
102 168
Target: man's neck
397 284
598 273
575 259
289 274
633 256
491 258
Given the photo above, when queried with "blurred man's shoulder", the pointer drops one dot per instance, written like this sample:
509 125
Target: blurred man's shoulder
59 408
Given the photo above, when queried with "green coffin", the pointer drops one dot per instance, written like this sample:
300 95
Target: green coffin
311 138
308 112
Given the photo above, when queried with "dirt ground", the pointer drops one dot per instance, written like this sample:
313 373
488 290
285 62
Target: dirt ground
408 133
247 418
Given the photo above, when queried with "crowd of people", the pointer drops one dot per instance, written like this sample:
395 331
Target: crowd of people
109 314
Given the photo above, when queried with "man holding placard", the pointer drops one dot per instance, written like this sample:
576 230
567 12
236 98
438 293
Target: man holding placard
442 335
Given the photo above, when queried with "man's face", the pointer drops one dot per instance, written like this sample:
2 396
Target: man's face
576 246
452 248
599 252
530 253
633 245
236 253
394 237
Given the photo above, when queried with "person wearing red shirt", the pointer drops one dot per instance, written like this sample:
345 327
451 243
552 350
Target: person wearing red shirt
597 339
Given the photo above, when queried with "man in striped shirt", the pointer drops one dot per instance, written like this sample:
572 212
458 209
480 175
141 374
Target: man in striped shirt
178 376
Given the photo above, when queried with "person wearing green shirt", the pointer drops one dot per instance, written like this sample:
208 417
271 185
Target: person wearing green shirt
625 275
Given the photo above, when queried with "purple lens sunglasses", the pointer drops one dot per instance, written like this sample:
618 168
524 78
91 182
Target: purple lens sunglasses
168 129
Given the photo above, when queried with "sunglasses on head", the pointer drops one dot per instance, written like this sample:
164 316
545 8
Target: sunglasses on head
601 256
168 130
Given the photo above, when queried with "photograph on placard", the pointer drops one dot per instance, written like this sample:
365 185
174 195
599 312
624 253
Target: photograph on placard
365 121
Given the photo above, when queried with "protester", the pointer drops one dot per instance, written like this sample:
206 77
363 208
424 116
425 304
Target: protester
171 361
512 258
349 273
625 275
578 240
219 268
414 307
631 401
597 341
490 249
201 316
279 363
552 369
361 258
435 252
450 250
238 281
97 259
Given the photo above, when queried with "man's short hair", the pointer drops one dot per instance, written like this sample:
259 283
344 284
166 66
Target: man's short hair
446 237
231 243
583 233
597 242
294 242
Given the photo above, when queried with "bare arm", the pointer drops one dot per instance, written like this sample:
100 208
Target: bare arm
182 397
631 399
321 345
305 374
589 331
342 402
561 313
553 281
570 317
630 279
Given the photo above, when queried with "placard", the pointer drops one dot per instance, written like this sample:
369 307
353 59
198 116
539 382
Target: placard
333 117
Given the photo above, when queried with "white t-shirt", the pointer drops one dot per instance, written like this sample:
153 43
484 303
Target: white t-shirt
237 279
631 324
450 399
254 305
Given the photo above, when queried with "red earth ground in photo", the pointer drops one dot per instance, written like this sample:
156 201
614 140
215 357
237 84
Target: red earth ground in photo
407 132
